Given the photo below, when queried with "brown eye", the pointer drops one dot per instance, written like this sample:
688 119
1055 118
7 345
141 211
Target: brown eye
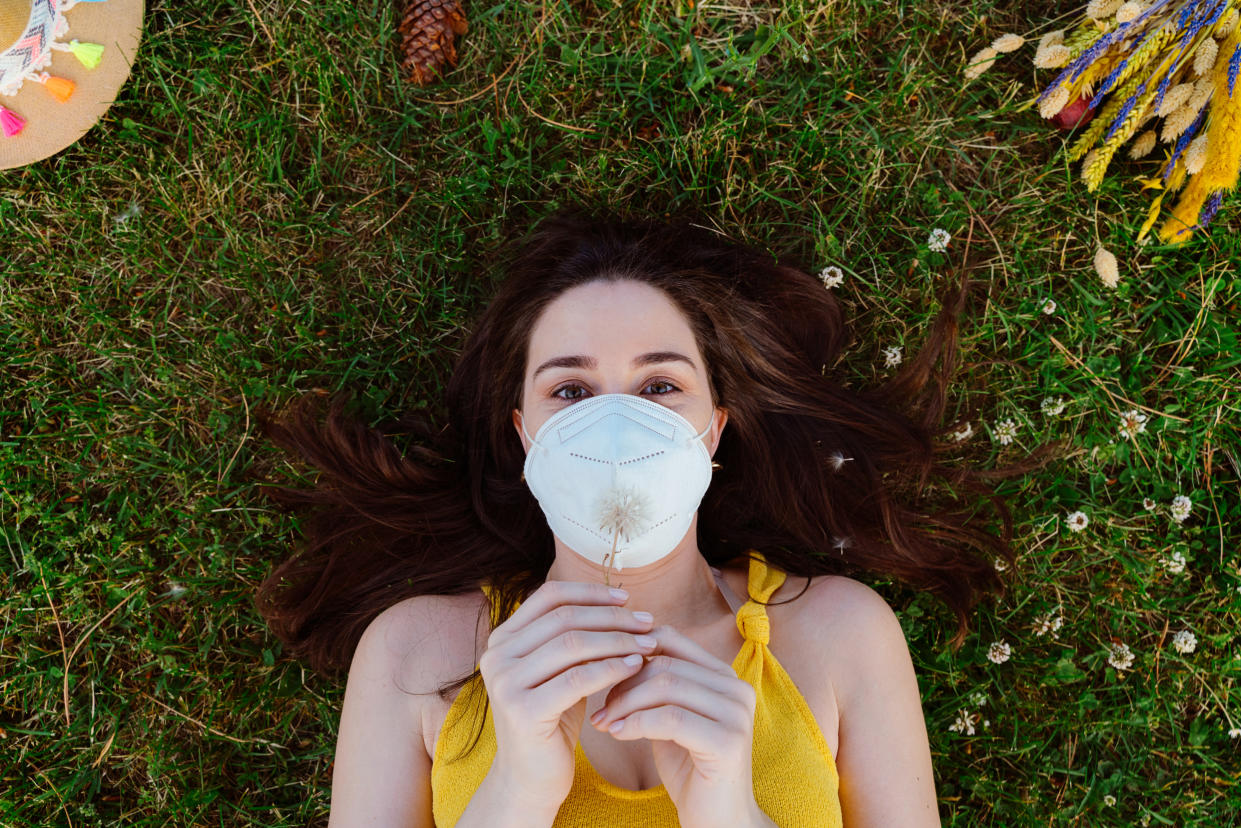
669 387
569 387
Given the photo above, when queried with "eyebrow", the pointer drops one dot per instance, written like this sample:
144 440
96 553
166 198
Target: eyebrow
590 363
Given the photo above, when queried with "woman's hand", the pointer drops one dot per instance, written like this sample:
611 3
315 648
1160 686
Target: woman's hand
699 718
566 641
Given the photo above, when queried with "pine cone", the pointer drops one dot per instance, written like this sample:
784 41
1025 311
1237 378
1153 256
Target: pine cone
428 29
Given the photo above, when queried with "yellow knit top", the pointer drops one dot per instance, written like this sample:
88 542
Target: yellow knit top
795 779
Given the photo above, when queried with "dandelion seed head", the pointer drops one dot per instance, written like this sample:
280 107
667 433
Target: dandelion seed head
623 511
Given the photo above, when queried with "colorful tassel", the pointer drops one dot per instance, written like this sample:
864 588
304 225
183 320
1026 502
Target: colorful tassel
88 54
61 88
10 122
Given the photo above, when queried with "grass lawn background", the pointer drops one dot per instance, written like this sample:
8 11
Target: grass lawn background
269 209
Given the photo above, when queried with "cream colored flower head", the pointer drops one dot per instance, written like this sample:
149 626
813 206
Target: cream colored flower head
1105 265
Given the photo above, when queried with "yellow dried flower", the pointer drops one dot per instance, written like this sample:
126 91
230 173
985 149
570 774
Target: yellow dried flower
1051 39
1196 155
1204 58
1052 57
1176 97
1176 123
1142 145
1008 43
1129 11
980 62
1098 9
1225 27
1054 102
1105 265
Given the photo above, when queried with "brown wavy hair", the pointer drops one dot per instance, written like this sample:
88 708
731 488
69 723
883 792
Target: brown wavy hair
410 509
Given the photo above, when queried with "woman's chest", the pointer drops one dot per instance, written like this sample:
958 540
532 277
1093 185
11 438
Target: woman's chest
629 764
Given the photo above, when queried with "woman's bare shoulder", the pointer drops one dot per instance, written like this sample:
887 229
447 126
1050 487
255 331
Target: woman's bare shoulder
851 619
427 638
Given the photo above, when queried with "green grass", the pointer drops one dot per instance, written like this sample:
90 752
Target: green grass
270 209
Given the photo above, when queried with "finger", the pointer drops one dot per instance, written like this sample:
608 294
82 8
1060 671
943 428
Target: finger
729 705
547 597
574 618
699 734
709 680
675 643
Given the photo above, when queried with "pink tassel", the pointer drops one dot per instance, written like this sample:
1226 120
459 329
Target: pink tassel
11 122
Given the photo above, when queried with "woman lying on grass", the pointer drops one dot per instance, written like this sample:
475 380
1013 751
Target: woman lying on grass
649 406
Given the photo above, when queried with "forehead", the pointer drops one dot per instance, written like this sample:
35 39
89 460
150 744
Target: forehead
604 318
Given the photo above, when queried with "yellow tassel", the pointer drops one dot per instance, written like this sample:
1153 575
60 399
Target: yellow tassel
1151 217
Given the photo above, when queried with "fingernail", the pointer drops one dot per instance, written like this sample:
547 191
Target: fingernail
615 727
632 660
619 593
643 616
645 640
597 716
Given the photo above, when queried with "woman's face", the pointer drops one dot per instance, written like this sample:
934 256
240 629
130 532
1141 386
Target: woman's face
622 337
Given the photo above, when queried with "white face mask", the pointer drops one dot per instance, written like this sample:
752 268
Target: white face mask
618 461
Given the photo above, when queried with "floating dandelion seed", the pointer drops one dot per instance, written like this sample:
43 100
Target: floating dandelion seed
836 460
622 512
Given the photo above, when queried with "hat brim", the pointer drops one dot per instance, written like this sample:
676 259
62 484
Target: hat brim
51 125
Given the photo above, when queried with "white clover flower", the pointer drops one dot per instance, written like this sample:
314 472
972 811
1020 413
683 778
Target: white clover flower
1148 504
1180 508
175 590
1052 406
892 356
1174 563
963 433
999 652
1049 623
1049 306
1005 431
964 723
1077 521
1185 642
832 276
1132 423
1234 732
1000 565
937 242
1109 800
978 698
1120 656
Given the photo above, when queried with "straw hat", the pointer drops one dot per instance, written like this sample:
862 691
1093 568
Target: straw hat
62 63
